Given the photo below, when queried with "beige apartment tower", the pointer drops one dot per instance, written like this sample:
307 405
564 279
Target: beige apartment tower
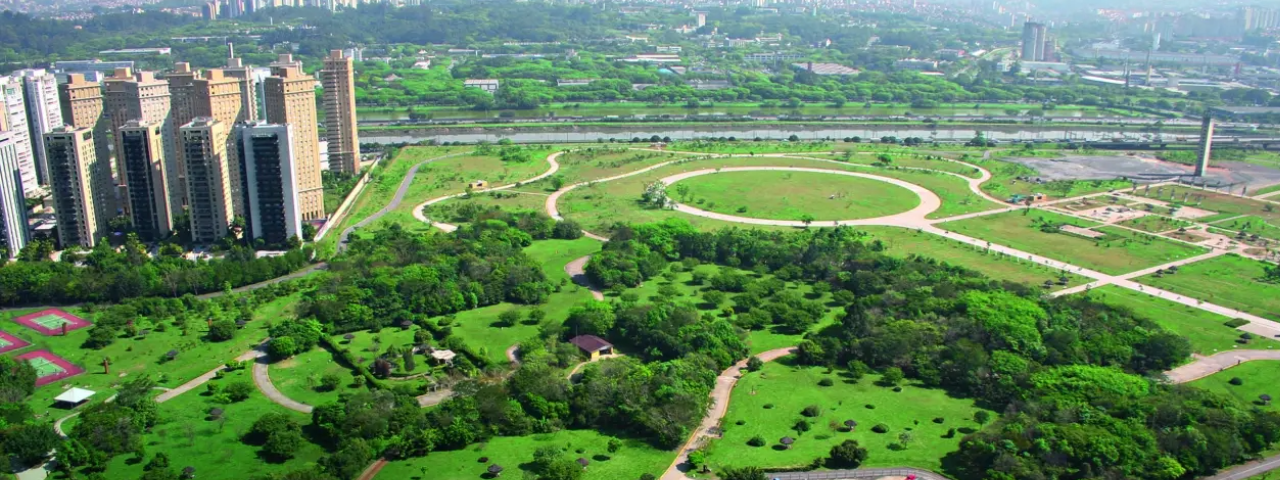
77 183
218 96
143 97
338 79
204 148
291 99
83 107
141 156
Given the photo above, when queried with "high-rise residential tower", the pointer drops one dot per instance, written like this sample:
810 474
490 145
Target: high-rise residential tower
13 208
270 175
15 110
250 84
204 148
141 156
216 95
290 99
338 79
43 113
76 181
143 97
1033 37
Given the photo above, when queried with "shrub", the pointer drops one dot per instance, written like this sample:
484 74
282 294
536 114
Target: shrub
756 441
880 428
1236 322
768 406
1236 381
754 364
740 423
238 391
951 433
329 382
897 389
826 382
847 454
811 411
802 426
939 420
871 407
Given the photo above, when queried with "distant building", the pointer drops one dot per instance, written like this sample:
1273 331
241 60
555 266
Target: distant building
270 173
141 155
13 209
204 148
1033 38
77 184
291 99
710 84
338 77
143 97
652 58
83 107
574 82
94 65
916 64
487 84
825 68
772 57
138 51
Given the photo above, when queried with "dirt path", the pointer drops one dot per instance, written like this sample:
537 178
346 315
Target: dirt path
719 406
577 270
262 378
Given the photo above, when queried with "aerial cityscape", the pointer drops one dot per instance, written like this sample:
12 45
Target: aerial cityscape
580 240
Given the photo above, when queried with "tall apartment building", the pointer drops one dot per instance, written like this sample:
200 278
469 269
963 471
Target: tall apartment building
15 110
250 86
43 113
1033 38
76 180
270 174
218 96
290 99
338 79
83 107
141 156
143 97
204 148
13 208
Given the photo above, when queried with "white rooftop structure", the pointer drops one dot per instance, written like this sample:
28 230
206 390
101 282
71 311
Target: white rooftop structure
75 395
443 355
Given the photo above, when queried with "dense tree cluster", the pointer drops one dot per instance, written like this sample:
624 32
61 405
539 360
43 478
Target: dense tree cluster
107 275
1075 378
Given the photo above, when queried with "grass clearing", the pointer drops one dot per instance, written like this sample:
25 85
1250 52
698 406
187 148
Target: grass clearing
793 195
299 377
634 459
1227 206
1229 280
1120 252
1155 223
1257 378
191 438
1251 225
1205 330
789 389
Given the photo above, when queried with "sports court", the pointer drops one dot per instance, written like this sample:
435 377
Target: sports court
50 322
9 342
49 367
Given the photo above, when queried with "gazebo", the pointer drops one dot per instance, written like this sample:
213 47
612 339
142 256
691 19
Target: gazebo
786 442
73 397
443 356
851 425
495 470
583 462
215 413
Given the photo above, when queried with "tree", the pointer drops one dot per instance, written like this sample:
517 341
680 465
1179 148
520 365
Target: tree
806 219
892 376
714 297
29 443
282 446
847 455
270 424
743 473
754 364
884 159
281 348
330 382
238 391
222 330
982 417
508 318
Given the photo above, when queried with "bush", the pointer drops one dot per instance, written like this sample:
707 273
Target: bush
1236 322
811 411
281 348
238 391
939 420
756 441
880 428
740 423
754 364
768 406
1236 381
826 382
222 330
330 382
848 454
802 426
871 407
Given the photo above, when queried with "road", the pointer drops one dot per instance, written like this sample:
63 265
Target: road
577 270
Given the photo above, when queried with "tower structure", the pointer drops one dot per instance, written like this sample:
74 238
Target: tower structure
43 113
338 77
143 97
83 107
1205 150
290 99
13 208
76 179
15 111
1033 38
141 155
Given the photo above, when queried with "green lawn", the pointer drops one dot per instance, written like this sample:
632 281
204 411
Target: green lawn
1251 225
1228 280
790 389
132 357
449 211
1260 377
634 459
451 175
902 242
792 195
1155 223
1121 252
1227 206
901 158
299 377
586 163
214 448
1205 330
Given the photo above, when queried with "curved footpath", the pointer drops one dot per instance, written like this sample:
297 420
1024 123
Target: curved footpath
577 270
419 212
395 200
262 378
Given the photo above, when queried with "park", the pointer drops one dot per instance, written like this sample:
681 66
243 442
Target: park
847 294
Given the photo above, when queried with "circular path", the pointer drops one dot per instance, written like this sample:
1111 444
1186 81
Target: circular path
929 201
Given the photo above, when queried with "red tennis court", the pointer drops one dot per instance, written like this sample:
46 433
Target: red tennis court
51 321
49 367
9 342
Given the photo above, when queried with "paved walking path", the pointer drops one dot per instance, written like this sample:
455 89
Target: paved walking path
719 406
262 378
395 199
419 212
577 270
202 379
1205 366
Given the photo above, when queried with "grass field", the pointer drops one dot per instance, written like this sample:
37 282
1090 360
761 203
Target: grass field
1155 223
1226 205
791 195
790 389
299 377
903 242
1229 280
1251 225
142 355
586 163
452 175
904 158
516 200
513 453
1204 330
187 435
1123 251
751 147
1259 377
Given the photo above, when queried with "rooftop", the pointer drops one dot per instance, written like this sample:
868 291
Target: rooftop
591 343
75 395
